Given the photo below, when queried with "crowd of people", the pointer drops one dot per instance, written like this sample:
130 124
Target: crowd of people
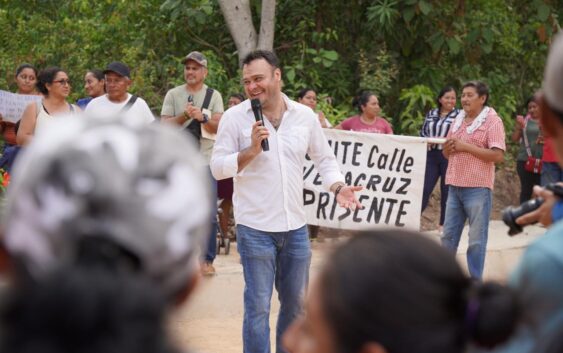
122 252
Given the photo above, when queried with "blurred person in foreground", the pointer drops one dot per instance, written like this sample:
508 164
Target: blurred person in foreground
474 144
272 236
538 275
396 291
97 246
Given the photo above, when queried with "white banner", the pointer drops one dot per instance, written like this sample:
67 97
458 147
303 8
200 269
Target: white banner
389 167
12 105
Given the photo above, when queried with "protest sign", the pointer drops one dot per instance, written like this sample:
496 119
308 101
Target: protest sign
390 168
12 105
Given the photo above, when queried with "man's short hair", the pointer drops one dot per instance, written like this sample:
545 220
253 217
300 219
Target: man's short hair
267 55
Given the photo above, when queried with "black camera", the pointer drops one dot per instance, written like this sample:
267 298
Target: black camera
511 213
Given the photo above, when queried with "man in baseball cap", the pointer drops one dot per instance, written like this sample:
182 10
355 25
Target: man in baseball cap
118 68
197 57
118 101
197 108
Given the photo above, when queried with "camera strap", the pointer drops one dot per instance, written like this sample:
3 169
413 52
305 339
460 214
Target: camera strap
525 137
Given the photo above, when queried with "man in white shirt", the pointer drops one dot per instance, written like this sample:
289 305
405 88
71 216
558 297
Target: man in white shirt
117 102
272 234
198 108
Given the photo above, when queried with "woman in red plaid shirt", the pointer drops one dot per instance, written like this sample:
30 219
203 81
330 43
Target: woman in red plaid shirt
474 144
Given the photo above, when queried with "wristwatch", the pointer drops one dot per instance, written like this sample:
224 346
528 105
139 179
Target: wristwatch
205 119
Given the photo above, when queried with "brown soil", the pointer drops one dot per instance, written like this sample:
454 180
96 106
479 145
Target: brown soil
506 192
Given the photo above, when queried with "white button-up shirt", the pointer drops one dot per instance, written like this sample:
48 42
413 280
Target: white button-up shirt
268 192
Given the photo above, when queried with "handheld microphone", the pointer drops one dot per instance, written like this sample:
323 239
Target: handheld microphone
257 110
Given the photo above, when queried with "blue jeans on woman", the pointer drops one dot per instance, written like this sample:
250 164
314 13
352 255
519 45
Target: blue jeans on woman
473 204
269 259
551 173
436 167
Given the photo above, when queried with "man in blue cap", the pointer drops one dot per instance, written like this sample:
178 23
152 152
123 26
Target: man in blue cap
118 101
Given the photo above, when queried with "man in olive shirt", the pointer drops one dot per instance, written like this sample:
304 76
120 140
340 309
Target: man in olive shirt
183 106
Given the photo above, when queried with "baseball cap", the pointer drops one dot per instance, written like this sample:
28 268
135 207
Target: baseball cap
553 75
119 68
197 57
142 187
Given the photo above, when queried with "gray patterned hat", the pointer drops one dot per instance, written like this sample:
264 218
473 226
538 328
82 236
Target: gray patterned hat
146 188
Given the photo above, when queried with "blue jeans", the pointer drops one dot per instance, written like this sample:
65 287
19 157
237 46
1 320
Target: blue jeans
272 258
436 166
473 204
211 251
9 156
550 173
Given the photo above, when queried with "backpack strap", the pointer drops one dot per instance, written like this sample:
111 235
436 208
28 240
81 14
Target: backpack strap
129 104
194 126
207 99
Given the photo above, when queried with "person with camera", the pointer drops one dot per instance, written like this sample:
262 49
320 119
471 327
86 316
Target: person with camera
537 277
528 162
198 109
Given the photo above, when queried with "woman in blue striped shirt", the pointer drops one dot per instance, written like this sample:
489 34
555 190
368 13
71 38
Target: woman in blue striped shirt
437 124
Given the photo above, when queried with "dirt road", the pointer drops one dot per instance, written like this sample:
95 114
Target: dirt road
212 320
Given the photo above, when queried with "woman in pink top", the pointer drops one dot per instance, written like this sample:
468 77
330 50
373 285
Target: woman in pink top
474 144
369 119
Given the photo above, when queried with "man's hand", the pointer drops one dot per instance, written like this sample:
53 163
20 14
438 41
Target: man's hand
347 199
543 213
455 145
194 112
258 134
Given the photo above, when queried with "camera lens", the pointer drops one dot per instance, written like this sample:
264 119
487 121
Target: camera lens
510 214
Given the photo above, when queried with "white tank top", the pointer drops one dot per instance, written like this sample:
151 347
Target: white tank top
45 119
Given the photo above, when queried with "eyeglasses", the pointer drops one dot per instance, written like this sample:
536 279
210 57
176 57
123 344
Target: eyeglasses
62 82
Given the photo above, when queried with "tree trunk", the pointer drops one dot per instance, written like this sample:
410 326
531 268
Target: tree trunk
267 25
239 21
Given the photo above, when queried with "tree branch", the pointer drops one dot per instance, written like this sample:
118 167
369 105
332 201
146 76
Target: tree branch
267 25
239 21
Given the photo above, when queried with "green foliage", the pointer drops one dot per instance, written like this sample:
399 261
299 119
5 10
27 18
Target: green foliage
417 100
383 13
404 50
377 73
